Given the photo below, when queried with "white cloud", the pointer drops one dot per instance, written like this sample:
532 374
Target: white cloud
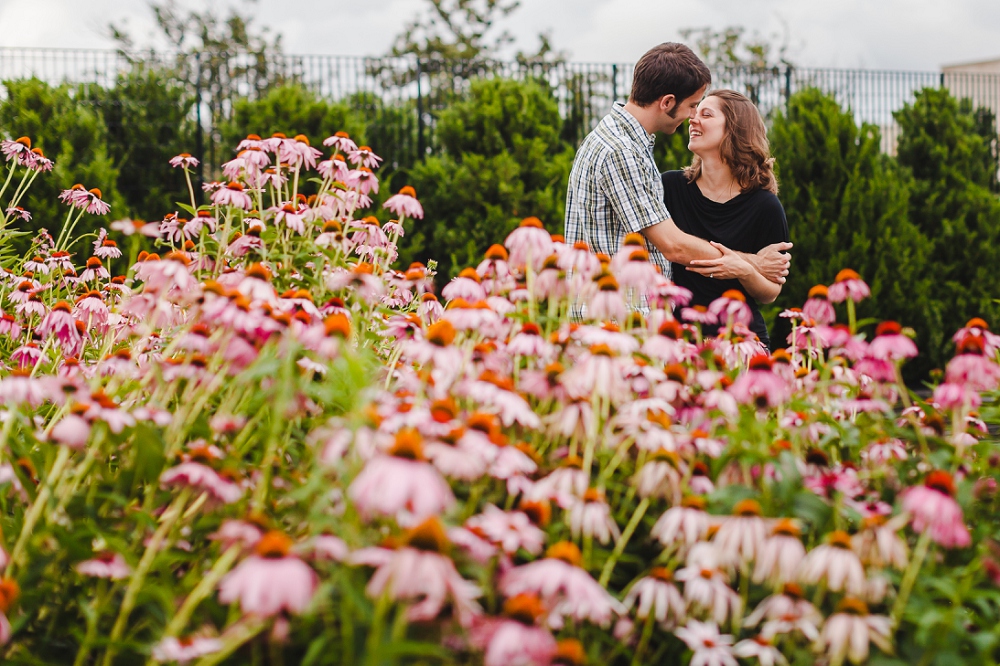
882 34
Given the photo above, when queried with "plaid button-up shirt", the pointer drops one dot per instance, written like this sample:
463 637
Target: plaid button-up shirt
615 187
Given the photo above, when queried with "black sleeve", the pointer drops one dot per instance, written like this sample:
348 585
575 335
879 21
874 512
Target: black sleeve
772 224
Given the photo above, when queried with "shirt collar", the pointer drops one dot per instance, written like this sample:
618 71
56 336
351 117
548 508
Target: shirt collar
632 126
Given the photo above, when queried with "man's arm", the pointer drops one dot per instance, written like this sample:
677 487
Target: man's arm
772 262
678 246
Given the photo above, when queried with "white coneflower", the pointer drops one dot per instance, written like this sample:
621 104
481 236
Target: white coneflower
591 517
848 632
707 591
780 555
835 563
740 535
682 525
785 613
660 477
879 545
709 646
657 595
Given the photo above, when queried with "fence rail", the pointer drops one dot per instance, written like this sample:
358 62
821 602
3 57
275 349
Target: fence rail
419 89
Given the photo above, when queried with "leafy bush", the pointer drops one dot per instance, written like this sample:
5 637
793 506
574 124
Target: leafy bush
73 135
848 205
147 116
944 146
501 159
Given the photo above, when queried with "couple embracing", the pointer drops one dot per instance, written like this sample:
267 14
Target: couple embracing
714 226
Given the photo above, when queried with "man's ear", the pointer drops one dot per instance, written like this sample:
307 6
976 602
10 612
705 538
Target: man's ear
667 103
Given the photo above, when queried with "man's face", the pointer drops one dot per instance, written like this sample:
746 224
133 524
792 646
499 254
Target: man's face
674 115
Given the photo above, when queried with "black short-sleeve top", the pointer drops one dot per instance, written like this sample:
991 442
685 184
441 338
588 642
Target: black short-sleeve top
747 223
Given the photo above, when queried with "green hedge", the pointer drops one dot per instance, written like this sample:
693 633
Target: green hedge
922 227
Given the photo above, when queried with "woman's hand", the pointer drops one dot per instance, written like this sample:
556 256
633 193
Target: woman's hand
730 266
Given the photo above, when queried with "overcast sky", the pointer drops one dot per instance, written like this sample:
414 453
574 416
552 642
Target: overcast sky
877 34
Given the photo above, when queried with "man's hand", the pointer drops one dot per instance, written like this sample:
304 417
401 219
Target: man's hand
772 262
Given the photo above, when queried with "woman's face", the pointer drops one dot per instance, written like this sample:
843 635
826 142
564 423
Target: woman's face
707 128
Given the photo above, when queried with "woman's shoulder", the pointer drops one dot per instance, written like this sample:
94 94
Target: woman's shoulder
765 201
674 179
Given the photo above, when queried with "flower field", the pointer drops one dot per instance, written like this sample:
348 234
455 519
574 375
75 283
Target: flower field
239 435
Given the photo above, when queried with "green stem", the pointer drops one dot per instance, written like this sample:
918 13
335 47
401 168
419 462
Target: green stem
62 457
910 577
609 566
168 520
204 588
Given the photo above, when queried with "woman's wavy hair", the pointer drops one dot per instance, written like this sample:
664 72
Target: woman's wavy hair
744 146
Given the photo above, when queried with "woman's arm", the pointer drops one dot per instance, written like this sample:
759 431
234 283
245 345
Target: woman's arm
731 265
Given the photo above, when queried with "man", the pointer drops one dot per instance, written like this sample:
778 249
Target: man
615 187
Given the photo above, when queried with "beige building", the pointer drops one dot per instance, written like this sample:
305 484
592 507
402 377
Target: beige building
978 81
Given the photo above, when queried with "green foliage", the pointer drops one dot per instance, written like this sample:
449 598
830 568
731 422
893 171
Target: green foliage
147 116
501 160
847 206
291 109
671 151
953 167
74 136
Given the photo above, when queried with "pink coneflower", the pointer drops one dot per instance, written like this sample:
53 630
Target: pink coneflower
232 195
18 212
709 646
401 484
76 196
971 367
341 141
240 532
72 431
761 649
661 477
516 639
405 203
364 181
848 285
59 322
835 563
818 307
513 530
271 580
419 572
956 397
184 161
933 507
297 153
607 304
9 592
94 204
890 344
731 308
15 148
467 285
108 564
591 517
977 327
529 242
184 650
848 632
760 385
684 525
363 156
564 586
202 478
779 556
657 595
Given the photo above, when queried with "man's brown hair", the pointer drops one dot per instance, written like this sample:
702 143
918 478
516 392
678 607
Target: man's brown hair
668 69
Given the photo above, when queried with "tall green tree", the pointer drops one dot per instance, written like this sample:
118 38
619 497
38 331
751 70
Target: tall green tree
848 206
501 160
947 147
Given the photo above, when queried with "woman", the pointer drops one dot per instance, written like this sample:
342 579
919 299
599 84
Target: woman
727 196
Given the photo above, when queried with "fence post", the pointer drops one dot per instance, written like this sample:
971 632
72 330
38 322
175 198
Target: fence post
788 85
420 114
199 140
614 83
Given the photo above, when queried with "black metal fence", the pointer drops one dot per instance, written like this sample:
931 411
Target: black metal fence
411 91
